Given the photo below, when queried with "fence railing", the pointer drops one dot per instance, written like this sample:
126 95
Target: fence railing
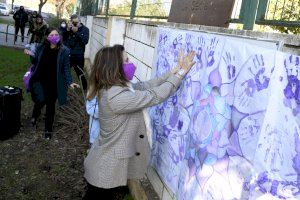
248 12
268 12
7 36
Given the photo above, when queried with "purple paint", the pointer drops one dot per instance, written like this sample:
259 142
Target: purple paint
292 90
296 159
215 78
261 84
250 87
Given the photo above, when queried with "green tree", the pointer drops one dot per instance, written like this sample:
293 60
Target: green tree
284 10
121 9
70 8
41 4
144 8
88 7
64 7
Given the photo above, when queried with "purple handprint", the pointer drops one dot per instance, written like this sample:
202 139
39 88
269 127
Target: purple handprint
175 158
188 41
292 90
249 90
162 65
174 99
258 70
258 81
200 50
231 68
262 82
174 117
177 41
211 52
273 148
163 39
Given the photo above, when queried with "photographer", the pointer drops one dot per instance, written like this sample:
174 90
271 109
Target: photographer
77 38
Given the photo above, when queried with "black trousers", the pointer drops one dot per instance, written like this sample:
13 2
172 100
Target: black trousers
17 28
50 112
95 193
77 62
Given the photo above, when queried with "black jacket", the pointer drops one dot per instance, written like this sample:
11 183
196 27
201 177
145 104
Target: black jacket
21 18
64 34
64 78
38 32
77 41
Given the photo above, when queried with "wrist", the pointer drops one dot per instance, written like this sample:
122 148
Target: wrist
180 73
175 70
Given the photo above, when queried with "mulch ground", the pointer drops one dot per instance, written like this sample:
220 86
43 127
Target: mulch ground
32 167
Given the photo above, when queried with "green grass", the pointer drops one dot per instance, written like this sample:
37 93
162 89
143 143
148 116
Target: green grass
13 66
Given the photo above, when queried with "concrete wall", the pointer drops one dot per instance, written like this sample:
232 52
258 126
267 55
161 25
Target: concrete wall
140 43
139 39
98 37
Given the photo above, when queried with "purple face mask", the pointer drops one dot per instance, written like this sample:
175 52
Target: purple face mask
129 70
54 39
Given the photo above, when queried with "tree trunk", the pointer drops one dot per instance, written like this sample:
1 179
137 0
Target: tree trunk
12 4
42 3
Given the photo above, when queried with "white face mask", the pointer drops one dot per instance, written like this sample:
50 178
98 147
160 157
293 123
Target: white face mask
63 25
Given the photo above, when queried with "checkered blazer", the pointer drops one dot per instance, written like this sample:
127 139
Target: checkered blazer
121 151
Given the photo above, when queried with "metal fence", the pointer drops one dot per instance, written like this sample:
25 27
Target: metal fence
248 12
7 36
284 13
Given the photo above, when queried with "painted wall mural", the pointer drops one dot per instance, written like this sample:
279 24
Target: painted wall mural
232 130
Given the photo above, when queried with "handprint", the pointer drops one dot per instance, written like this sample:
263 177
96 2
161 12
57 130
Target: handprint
258 81
173 155
292 65
163 39
262 81
188 41
249 90
258 70
248 134
292 90
174 99
211 52
200 50
177 41
273 154
181 147
185 93
230 62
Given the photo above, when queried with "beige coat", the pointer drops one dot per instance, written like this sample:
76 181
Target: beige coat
121 151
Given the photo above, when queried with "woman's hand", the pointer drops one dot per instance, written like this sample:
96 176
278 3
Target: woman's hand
28 52
175 69
74 85
185 62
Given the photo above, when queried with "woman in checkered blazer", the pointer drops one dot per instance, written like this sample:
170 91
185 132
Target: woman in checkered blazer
121 151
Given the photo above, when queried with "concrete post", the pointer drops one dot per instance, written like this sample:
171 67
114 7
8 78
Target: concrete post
89 25
115 31
250 10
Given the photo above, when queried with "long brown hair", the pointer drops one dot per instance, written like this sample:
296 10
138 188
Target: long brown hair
107 71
